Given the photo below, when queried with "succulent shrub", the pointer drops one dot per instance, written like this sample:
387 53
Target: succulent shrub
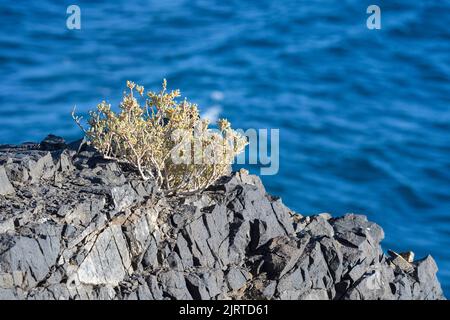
164 139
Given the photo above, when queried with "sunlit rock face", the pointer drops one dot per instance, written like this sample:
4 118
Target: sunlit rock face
75 226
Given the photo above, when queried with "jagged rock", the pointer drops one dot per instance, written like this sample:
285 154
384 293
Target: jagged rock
76 226
108 260
425 271
372 285
123 196
237 277
52 143
174 284
333 256
281 256
39 167
27 259
319 227
5 185
400 262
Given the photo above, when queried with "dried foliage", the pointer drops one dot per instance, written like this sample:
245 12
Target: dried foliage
164 139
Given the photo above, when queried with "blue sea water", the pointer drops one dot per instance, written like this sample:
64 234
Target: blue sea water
364 115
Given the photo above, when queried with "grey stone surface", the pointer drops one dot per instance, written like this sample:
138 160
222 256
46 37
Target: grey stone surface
5 185
76 226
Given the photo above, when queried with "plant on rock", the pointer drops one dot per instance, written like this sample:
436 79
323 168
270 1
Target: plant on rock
164 139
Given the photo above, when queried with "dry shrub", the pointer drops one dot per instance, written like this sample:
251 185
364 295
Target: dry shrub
164 139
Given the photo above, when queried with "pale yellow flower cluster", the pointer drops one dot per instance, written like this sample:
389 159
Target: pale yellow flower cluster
164 140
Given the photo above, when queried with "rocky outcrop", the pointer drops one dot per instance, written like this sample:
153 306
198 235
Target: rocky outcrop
75 226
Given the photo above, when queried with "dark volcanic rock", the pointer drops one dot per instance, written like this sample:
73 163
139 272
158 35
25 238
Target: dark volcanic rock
52 143
75 226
